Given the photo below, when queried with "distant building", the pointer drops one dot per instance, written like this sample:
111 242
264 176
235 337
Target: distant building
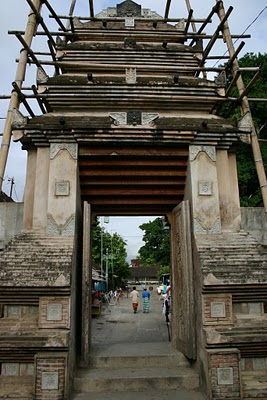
144 275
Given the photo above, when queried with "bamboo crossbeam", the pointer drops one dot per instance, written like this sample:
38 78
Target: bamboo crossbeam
57 72
249 86
41 21
182 37
34 89
234 56
214 37
22 98
188 21
29 51
167 8
54 14
206 21
232 83
14 100
91 8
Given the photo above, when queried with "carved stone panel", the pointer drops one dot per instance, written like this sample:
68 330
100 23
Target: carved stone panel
131 75
128 8
134 118
54 312
217 309
10 369
225 376
129 22
205 188
50 380
62 188
72 148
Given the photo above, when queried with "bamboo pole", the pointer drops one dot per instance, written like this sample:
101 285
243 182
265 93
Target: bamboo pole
245 108
167 8
188 5
20 75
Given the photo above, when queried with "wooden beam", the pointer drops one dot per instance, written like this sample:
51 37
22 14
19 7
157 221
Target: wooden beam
34 89
22 98
54 14
188 21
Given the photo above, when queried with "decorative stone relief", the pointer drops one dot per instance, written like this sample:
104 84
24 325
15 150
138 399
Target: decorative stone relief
119 118
18 119
149 118
148 13
30 369
180 25
129 22
259 364
245 123
41 76
10 369
217 310
129 42
128 8
131 75
134 118
209 150
225 376
72 148
54 312
50 380
205 188
255 308
216 227
53 229
62 188
14 311
221 79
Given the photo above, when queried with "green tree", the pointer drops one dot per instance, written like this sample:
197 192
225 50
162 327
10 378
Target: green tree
113 250
156 251
250 193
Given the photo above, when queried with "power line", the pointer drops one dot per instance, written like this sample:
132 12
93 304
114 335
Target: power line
261 12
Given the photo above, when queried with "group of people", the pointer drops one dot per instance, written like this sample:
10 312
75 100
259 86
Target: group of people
146 298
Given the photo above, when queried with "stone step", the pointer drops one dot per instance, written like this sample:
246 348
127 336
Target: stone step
135 379
177 394
158 361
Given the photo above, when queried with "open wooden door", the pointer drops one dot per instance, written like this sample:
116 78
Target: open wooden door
183 318
86 285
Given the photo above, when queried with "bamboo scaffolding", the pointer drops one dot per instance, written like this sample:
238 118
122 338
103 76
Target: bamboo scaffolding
167 8
14 100
113 19
40 20
91 8
122 34
245 108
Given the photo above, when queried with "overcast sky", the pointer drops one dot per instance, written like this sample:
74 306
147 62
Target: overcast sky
14 17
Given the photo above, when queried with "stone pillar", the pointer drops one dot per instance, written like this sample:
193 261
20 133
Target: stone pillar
28 197
203 184
62 189
41 189
228 190
224 374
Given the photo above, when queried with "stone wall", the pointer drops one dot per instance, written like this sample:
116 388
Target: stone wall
11 215
253 220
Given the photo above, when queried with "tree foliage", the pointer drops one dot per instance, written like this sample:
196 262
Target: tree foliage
156 251
250 193
113 251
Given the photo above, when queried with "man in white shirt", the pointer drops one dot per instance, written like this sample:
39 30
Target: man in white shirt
134 296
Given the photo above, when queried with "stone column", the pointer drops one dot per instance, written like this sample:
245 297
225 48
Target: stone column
62 189
228 190
202 188
28 197
41 189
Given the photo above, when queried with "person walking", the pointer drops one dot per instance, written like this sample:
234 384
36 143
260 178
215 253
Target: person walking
146 300
134 296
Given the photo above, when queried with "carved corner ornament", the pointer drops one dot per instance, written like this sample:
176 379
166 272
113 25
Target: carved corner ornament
131 75
135 118
209 150
213 230
72 148
54 229
41 76
18 119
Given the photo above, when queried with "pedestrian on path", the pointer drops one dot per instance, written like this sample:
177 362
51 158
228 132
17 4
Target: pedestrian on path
146 299
134 296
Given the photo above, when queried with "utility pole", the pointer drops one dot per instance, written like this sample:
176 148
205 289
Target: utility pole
107 270
11 187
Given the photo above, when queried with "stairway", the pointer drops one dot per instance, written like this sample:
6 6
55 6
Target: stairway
132 374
